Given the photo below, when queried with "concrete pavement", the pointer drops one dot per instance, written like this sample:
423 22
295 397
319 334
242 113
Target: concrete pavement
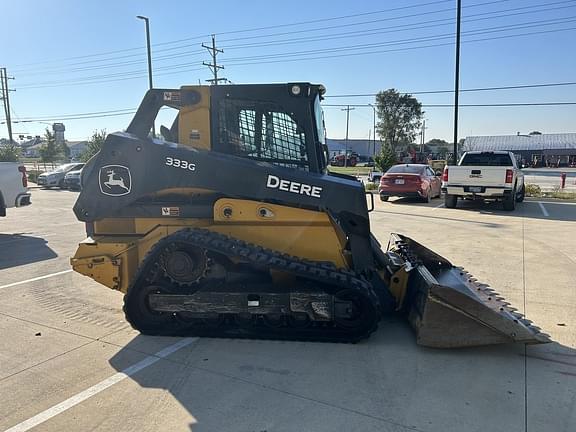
67 358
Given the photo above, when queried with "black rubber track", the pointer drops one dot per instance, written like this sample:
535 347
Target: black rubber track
331 279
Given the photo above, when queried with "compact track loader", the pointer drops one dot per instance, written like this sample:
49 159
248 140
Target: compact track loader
231 226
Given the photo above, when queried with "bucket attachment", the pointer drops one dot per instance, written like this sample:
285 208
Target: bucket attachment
448 308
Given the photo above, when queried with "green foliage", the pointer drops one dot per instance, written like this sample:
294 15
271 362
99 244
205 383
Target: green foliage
9 152
436 142
355 171
561 195
371 186
532 190
49 152
386 158
442 151
94 145
400 117
33 175
65 150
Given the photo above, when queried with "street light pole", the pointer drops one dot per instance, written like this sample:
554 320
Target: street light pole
347 109
374 129
457 81
147 21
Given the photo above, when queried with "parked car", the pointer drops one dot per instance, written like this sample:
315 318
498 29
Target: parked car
13 186
484 176
410 180
72 180
374 176
340 160
56 178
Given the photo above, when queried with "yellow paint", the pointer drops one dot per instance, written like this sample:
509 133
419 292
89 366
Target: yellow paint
398 285
113 260
194 120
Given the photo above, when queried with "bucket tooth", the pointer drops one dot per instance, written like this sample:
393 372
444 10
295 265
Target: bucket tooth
449 308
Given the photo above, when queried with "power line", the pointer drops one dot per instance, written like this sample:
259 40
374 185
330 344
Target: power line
355 47
396 49
340 26
478 89
238 61
187 54
198 37
513 104
403 27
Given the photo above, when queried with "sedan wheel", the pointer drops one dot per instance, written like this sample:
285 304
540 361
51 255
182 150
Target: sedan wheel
428 196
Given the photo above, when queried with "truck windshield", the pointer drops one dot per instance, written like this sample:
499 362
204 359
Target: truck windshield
486 159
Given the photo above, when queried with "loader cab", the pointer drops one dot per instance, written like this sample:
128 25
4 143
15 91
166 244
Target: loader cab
280 124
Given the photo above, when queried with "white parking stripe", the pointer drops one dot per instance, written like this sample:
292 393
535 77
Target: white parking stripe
36 279
438 206
544 211
101 386
554 202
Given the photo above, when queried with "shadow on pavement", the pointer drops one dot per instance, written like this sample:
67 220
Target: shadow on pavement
385 383
439 217
534 209
558 211
20 249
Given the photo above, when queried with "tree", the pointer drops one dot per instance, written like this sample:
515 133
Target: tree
49 151
94 145
9 152
386 158
436 142
65 150
400 117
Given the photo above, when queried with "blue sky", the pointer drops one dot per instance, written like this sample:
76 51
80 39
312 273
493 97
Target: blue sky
71 57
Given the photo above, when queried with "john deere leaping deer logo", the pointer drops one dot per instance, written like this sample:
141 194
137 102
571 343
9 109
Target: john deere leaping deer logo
115 180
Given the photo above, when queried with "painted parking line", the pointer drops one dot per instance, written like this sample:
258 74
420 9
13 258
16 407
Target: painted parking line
555 202
438 206
97 388
36 279
544 211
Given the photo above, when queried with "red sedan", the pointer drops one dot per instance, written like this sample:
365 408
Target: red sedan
410 180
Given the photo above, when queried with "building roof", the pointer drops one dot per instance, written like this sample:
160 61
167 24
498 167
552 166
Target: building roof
561 141
361 146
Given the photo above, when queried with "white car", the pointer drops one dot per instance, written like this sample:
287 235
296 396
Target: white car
13 186
56 178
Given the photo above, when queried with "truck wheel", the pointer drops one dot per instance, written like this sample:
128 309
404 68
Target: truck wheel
450 201
509 202
521 194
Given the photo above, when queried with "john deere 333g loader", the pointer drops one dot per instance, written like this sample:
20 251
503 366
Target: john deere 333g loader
231 226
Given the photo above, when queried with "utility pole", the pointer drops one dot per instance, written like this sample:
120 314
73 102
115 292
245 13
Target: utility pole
6 100
347 109
214 67
423 135
457 81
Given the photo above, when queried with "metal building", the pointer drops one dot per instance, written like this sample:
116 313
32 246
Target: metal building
553 150
363 147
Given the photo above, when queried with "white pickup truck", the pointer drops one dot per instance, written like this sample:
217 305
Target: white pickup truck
484 176
13 186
